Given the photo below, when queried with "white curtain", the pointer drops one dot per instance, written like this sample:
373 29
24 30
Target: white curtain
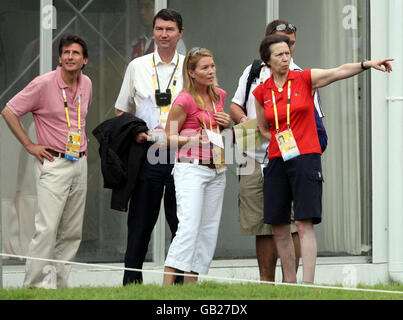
341 224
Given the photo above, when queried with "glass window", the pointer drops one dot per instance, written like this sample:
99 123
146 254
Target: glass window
112 30
19 64
331 33
232 30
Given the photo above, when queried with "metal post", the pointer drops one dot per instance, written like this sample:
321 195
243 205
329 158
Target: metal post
272 10
160 4
159 229
47 23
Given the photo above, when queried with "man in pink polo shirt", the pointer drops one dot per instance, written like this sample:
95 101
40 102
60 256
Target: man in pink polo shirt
59 102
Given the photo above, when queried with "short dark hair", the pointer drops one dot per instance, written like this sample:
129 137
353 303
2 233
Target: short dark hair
169 15
271 27
264 48
70 39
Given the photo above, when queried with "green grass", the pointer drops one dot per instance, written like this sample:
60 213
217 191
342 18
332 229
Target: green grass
201 291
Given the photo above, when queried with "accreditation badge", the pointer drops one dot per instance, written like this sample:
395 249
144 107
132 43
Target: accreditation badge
217 149
73 146
287 145
218 158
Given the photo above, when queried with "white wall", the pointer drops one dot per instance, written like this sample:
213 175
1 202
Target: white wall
379 84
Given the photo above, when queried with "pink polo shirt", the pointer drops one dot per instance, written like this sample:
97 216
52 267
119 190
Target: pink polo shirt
44 98
191 126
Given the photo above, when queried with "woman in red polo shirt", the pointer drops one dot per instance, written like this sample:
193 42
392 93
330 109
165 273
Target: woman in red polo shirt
285 115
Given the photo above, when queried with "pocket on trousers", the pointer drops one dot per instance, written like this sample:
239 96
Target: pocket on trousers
316 176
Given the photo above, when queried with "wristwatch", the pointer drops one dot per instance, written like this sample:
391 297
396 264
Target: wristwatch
364 67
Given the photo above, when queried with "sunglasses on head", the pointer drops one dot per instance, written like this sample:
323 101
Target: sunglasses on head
282 27
195 51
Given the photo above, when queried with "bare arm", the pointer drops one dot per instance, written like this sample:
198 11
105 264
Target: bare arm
14 124
324 77
237 113
262 124
176 119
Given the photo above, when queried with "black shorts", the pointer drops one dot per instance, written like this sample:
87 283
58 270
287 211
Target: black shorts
299 180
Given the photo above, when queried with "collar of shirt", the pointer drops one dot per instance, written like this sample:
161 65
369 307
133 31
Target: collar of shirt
272 86
158 59
63 85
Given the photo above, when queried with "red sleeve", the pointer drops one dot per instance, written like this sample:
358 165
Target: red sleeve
258 93
306 77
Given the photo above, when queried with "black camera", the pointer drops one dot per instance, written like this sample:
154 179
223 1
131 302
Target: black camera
163 98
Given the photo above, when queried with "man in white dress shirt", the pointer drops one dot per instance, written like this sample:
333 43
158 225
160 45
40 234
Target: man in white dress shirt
150 85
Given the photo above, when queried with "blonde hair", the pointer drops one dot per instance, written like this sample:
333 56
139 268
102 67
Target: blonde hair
193 56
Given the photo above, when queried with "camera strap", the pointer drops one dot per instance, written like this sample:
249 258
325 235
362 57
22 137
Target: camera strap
156 79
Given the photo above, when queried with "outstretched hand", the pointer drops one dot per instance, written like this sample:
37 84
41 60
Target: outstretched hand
381 65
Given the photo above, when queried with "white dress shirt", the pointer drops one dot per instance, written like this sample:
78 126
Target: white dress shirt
138 83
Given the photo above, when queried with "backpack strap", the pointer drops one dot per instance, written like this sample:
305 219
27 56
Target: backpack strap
253 74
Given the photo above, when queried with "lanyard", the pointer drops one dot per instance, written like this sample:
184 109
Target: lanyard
288 107
66 108
210 120
156 78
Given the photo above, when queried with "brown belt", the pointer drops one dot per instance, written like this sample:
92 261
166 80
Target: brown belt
210 165
62 155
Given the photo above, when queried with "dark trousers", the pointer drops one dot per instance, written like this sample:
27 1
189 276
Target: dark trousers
143 214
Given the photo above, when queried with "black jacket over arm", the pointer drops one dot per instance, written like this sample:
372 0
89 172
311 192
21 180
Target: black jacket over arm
121 156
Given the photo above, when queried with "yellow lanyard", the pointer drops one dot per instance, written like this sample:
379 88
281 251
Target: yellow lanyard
66 108
156 78
288 107
210 120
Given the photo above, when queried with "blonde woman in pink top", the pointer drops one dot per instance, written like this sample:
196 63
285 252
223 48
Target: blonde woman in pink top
199 171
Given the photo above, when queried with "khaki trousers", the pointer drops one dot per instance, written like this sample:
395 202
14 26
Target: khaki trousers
61 191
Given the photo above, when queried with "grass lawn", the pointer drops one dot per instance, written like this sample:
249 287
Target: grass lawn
204 290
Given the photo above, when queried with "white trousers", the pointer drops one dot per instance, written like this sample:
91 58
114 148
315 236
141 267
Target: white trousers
61 191
199 196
